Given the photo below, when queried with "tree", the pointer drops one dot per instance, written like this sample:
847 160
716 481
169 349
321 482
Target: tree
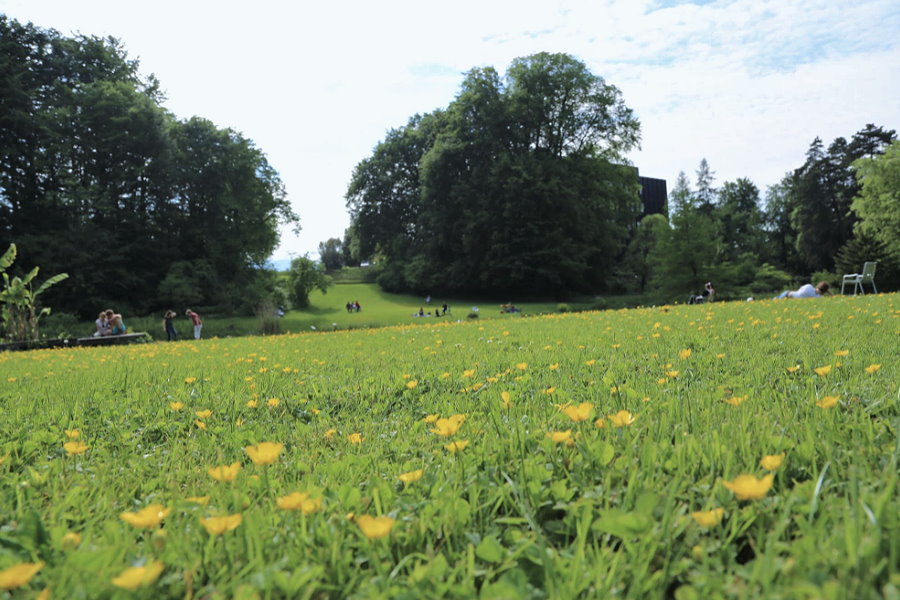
331 254
878 202
778 230
706 193
739 220
513 187
647 237
304 276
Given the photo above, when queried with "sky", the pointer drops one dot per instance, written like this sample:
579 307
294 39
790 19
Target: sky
746 84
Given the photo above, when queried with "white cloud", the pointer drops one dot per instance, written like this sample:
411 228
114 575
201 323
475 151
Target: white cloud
747 84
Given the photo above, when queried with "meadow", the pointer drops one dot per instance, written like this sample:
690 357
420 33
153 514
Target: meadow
730 450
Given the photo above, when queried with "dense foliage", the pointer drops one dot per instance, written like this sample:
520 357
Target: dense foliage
735 450
512 188
98 180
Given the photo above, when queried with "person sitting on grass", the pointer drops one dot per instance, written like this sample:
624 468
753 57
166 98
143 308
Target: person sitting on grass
808 291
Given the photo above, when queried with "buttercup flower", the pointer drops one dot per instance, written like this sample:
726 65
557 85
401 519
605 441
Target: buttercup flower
355 438
296 501
219 525
735 400
522 366
600 423
224 472
134 577
823 371
200 424
842 353
19 575
748 487
412 384
872 368
449 426
273 402
73 448
578 413
562 437
709 518
686 353
176 406
374 527
252 403
72 434
201 500
793 369
411 476
70 541
771 461
264 453
456 446
827 402
506 399
623 418
330 434
203 414
147 518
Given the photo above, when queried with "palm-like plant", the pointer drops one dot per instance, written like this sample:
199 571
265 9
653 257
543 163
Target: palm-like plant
18 301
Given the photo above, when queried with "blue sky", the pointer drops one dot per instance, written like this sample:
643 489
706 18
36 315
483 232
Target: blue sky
746 84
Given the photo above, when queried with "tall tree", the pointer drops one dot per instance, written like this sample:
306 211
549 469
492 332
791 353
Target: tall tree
739 220
878 202
331 254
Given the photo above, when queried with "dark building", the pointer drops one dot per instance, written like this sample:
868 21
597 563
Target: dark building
653 196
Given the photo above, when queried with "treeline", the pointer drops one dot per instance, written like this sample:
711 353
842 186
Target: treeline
141 209
519 187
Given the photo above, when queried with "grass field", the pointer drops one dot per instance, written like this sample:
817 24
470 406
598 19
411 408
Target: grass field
327 312
735 450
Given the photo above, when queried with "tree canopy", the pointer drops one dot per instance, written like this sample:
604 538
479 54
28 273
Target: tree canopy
517 186
97 179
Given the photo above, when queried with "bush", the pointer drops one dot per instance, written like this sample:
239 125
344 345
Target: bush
770 279
62 325
833 279
563 307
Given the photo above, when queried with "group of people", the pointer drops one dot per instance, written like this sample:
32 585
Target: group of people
109 322
438 312
169 324
353 306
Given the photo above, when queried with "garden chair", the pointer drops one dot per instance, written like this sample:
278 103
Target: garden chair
858 279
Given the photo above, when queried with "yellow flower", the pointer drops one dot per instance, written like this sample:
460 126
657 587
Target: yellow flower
374 527
292 501
147 518
748 487
709 518
842 353
623 418
200 424
201 500
562 437
19 575
445 375
273 402
176 406
578 413
355 438
771 462
872 368
600 423
190 379
75 448
224 472
522 366
793 369
71 540
4 457
591 362
549 391
506 399
823 371
735 400
411 476
468 372
412 384
252 403
686 353
827 401
134 577
457 446
330 433
264 453
449 426
672 374
72 434
203 414
219 525
554 366
431 418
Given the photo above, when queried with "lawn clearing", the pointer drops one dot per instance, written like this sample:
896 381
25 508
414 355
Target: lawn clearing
726 450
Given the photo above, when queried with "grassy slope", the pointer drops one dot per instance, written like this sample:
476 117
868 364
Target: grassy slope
378 309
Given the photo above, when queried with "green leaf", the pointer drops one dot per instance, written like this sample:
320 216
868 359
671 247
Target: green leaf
490 550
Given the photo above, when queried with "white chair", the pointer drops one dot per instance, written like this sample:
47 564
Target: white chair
858 279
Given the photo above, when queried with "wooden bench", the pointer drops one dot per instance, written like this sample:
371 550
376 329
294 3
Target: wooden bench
114 340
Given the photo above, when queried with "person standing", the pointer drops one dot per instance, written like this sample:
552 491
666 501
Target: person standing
195 319
169 325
